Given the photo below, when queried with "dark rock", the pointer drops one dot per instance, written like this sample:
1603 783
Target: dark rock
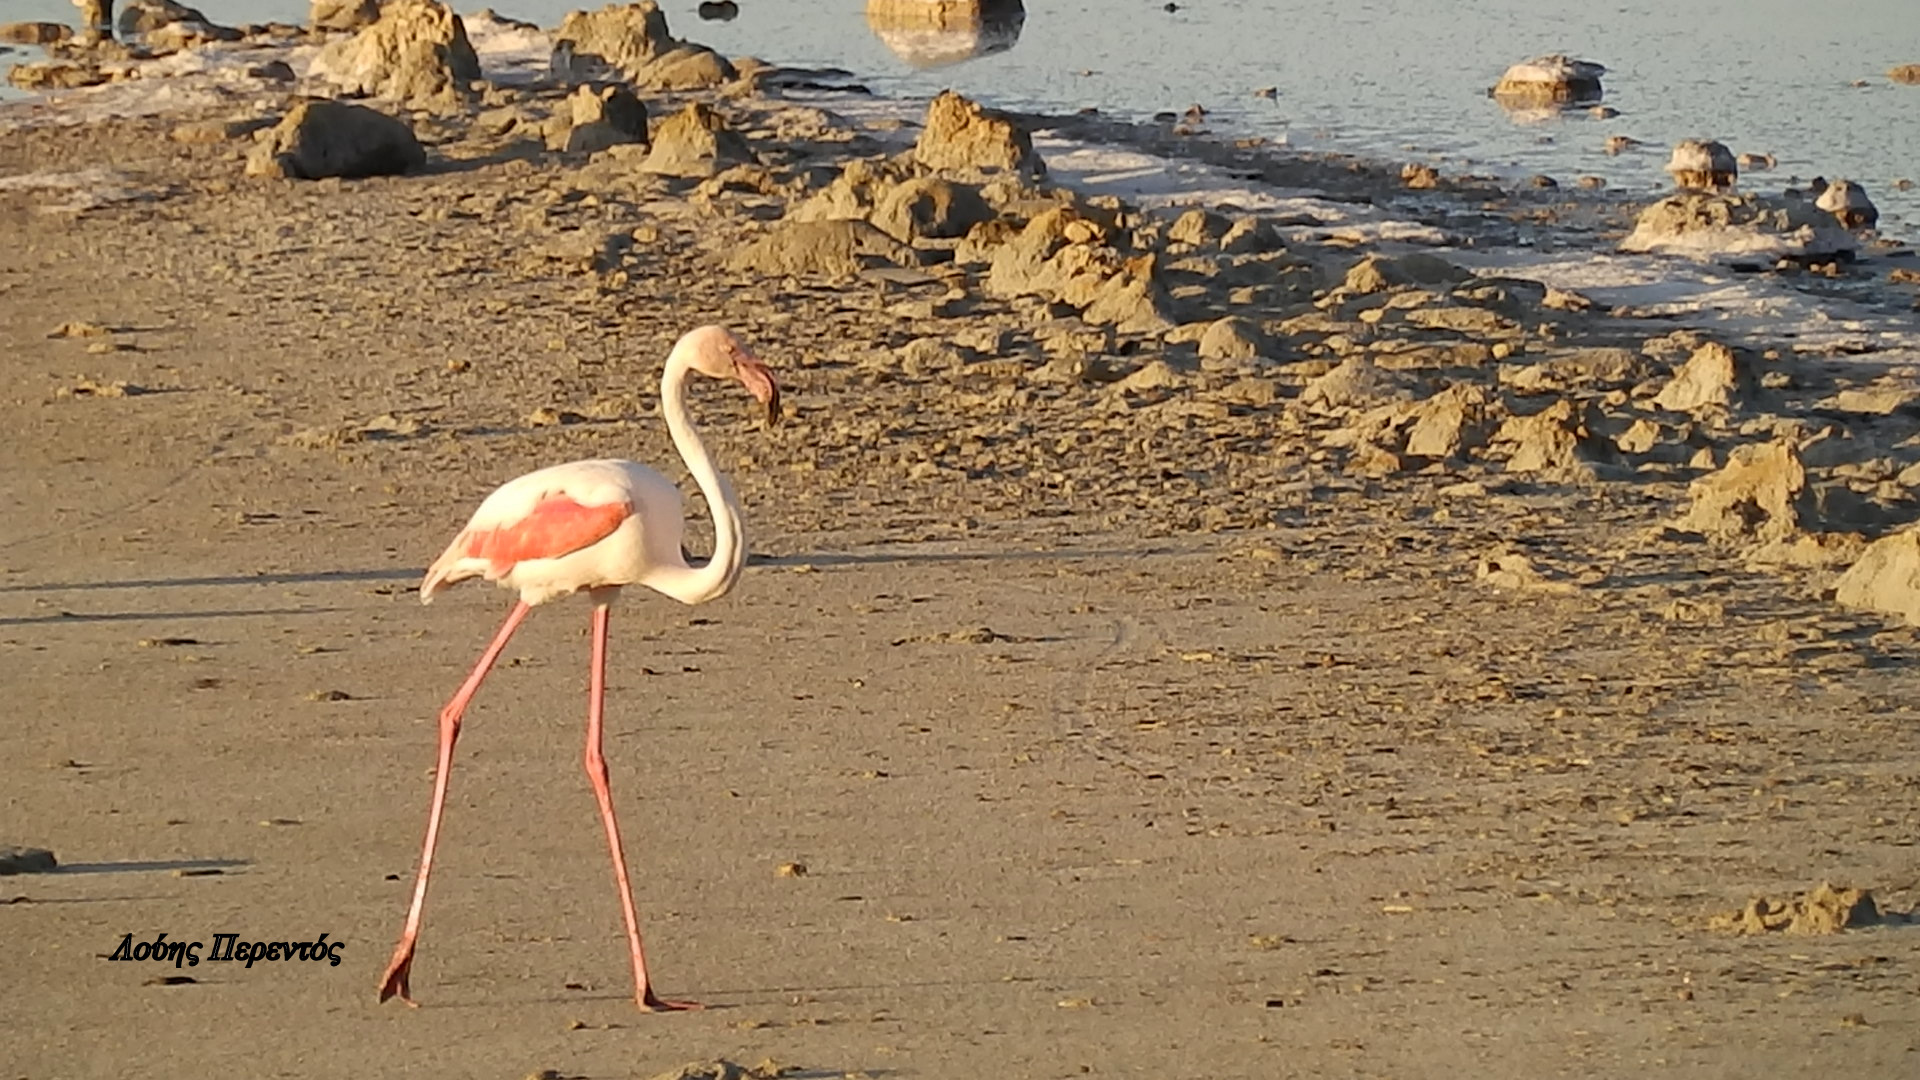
26 860
336 138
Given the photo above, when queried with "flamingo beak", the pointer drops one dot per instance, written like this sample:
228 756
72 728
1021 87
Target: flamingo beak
758 380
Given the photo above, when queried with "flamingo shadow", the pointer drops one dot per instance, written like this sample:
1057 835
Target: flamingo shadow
147 867
140 616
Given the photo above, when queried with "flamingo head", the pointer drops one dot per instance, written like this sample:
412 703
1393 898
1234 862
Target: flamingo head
714 352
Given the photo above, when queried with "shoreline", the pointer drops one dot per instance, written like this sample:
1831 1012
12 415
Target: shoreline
1483 211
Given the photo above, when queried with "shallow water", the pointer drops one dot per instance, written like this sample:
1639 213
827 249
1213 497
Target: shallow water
1397 78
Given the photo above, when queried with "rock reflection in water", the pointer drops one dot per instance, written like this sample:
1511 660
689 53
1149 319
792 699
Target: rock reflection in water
939 33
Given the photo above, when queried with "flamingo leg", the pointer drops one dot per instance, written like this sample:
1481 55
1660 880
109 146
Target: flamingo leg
398 969
596 764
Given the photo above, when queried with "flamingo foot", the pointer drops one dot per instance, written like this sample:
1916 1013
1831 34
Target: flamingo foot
651 1004
395 980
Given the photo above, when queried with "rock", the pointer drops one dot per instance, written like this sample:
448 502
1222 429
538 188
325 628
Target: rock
1356 381
1021 266
26 860
1197 228
79 328
1737 228
1061 255
1377 273
622 37
176 36
1233 338
1620 144
960 136
1878 400
599 115
139 17
1073 337
1848 203
977 248
216 131
1248 236
686 67
272 71
1703 164
932 207
1886 579
1506 568
1473 322
852 195
164 26
1450 423
336 138
1550 80
1826 910
342 14
696 142
1712 376
835 249
96 21
55 76
1761 494
718 10
631 41
1598 368
34 33
1131 301
1152 375
1906 74
1419 177
1557 441
754 179
498 23
722 1069
926 355
1515 298
1369 275
416 52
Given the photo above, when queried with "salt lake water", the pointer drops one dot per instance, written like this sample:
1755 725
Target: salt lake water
1399 79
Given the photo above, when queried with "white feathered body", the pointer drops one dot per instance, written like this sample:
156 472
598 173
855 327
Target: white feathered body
501 544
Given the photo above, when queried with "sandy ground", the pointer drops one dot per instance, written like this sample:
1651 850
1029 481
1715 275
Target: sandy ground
1304 799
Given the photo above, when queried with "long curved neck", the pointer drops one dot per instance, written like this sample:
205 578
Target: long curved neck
697 585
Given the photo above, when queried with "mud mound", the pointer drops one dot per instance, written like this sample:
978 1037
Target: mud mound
416 52
962 137
1450 424
1886 579
1550 80
1712 377
931 207
1558 442
1825 910
835 249
1063 255
1712 226
632 42
696 142
597 116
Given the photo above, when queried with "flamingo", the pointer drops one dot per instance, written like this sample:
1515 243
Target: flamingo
593 526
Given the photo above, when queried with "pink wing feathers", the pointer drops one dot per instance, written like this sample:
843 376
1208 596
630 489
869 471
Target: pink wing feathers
556 526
